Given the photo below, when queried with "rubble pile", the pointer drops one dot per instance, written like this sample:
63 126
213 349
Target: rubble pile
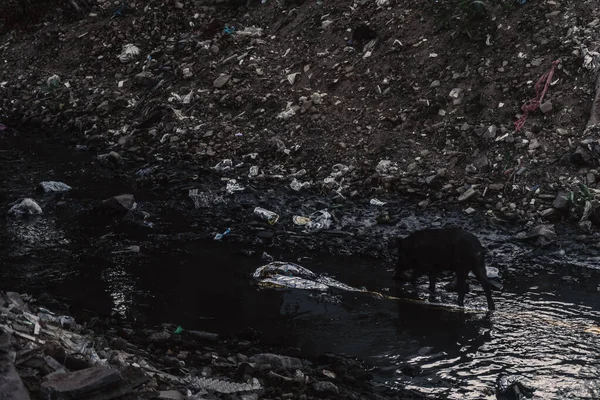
51 356
290 92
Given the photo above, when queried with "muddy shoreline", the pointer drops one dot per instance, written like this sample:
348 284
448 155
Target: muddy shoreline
354 233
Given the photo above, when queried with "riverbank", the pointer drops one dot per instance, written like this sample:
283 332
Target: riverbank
212 94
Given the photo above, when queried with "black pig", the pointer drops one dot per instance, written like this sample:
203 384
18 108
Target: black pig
448 249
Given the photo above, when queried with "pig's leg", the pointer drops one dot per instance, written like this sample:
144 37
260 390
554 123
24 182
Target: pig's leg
481 276
461 286
432 281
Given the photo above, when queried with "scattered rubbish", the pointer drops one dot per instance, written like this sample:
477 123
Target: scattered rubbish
253 171
224 165
2 127
376 202
178 330
186 99
386 167
301 221
266 215
205 199
53 81
53 186
251 31
541 87
25 206
129 53
220 236
146 171
230 30
284 275
319 221
297 185
233 186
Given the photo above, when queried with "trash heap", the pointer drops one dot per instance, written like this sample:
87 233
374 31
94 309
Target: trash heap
47 355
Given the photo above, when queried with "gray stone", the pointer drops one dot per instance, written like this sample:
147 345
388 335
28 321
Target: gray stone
553 14
80 384
326 388
469 193
144 78
159 336
561 202
121 203
276 361
221 81
490 132
546 107
170 395
496 186
11 386
545 231
548 212
481 163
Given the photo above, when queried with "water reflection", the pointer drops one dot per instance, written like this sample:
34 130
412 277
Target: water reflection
548 346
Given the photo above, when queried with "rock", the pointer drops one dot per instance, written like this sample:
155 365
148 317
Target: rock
221 81
27 206
546 107
145 78
53 186
469 193
496 187
470 211
276 361
548 212
481 163
326 388
206 336
546 231
159 336
120 203
582 156
490 133
435 84
79 384
11 386
170 395
562 202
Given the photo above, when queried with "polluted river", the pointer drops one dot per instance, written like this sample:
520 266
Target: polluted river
164 266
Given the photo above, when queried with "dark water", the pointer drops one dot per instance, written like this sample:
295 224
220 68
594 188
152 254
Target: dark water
543 329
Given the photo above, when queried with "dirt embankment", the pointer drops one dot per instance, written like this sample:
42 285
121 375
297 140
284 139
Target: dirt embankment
354 100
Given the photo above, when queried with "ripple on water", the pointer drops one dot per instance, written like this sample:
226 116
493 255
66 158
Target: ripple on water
542 340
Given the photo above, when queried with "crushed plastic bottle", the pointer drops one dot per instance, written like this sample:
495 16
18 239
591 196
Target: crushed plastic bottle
266 215
220 236
377 202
